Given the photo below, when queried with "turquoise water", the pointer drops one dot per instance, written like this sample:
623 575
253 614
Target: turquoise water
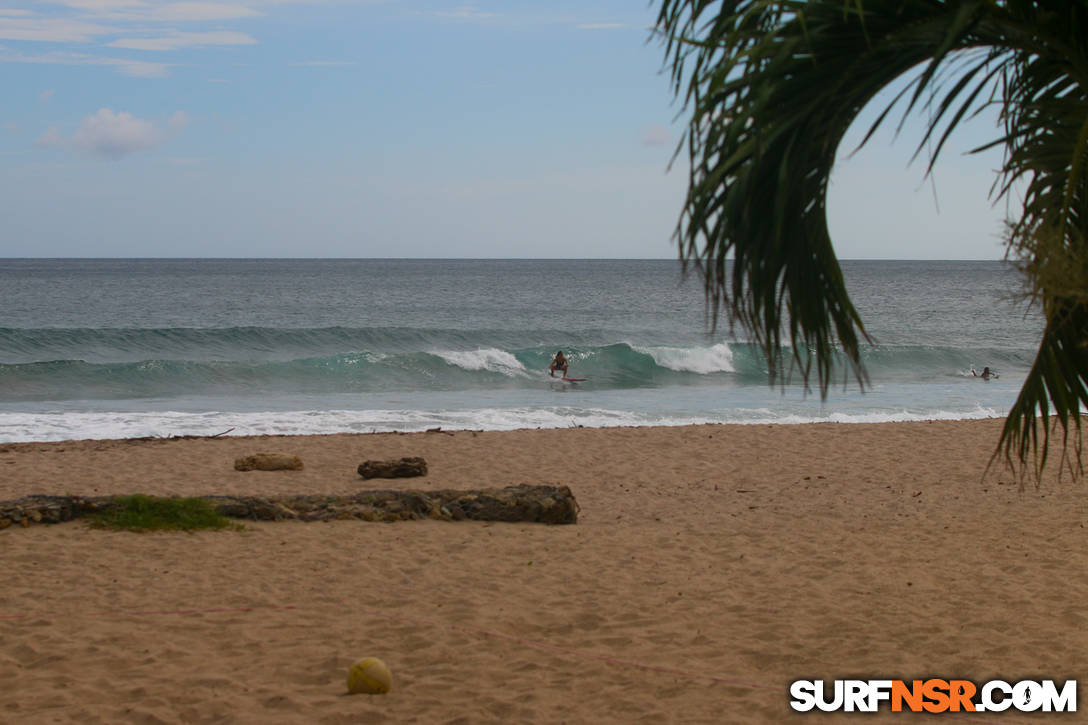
111 348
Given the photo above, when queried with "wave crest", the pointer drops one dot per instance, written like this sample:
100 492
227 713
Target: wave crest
490 359
698 360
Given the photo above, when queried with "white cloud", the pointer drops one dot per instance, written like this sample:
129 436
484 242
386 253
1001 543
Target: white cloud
198 11
322 63
51 30
141 25
114 135
160 12
178 121
101 6
50 139
134 68
465 12
186 12
656 135
177 40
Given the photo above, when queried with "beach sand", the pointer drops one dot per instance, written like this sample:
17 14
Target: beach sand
710 567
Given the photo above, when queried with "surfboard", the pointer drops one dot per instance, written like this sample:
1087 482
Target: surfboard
573 380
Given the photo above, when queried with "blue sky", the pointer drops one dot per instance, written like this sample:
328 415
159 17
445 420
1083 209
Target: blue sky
363 128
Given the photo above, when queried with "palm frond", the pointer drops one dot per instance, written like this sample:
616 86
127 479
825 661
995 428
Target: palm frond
773 86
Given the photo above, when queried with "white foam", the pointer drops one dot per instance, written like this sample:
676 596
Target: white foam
59 426
490 358
700 360
901 416
69 425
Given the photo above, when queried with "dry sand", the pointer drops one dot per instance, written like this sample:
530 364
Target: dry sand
735 559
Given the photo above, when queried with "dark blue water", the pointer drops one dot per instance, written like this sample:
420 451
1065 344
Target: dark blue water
105 348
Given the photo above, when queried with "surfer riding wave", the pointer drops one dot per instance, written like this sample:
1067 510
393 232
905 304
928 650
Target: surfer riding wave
559 363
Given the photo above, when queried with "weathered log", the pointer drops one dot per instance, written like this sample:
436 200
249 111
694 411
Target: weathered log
269 462
394 468
530 504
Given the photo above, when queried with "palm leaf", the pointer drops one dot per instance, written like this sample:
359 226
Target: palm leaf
772 88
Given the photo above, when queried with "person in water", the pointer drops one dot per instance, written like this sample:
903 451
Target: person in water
559 363
985 374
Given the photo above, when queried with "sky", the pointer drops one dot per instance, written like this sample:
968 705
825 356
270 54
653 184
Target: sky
395 128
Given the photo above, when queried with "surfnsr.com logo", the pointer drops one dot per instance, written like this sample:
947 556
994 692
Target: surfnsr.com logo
933 695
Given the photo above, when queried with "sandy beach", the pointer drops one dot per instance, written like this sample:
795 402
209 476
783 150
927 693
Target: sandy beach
710 567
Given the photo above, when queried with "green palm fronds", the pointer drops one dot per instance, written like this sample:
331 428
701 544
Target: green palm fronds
772 88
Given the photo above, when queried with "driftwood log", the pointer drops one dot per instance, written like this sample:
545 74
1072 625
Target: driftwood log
531 504
394 468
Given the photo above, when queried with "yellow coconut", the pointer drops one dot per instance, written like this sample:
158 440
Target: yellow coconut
369 676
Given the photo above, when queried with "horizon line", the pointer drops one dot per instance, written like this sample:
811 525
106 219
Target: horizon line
488 259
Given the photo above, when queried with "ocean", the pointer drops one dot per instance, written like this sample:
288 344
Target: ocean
110 348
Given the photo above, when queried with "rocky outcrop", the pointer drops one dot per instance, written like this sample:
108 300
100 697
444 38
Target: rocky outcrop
394 468
269 462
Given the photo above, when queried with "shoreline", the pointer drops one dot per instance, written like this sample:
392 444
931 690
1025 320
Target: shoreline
711 565
844 419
